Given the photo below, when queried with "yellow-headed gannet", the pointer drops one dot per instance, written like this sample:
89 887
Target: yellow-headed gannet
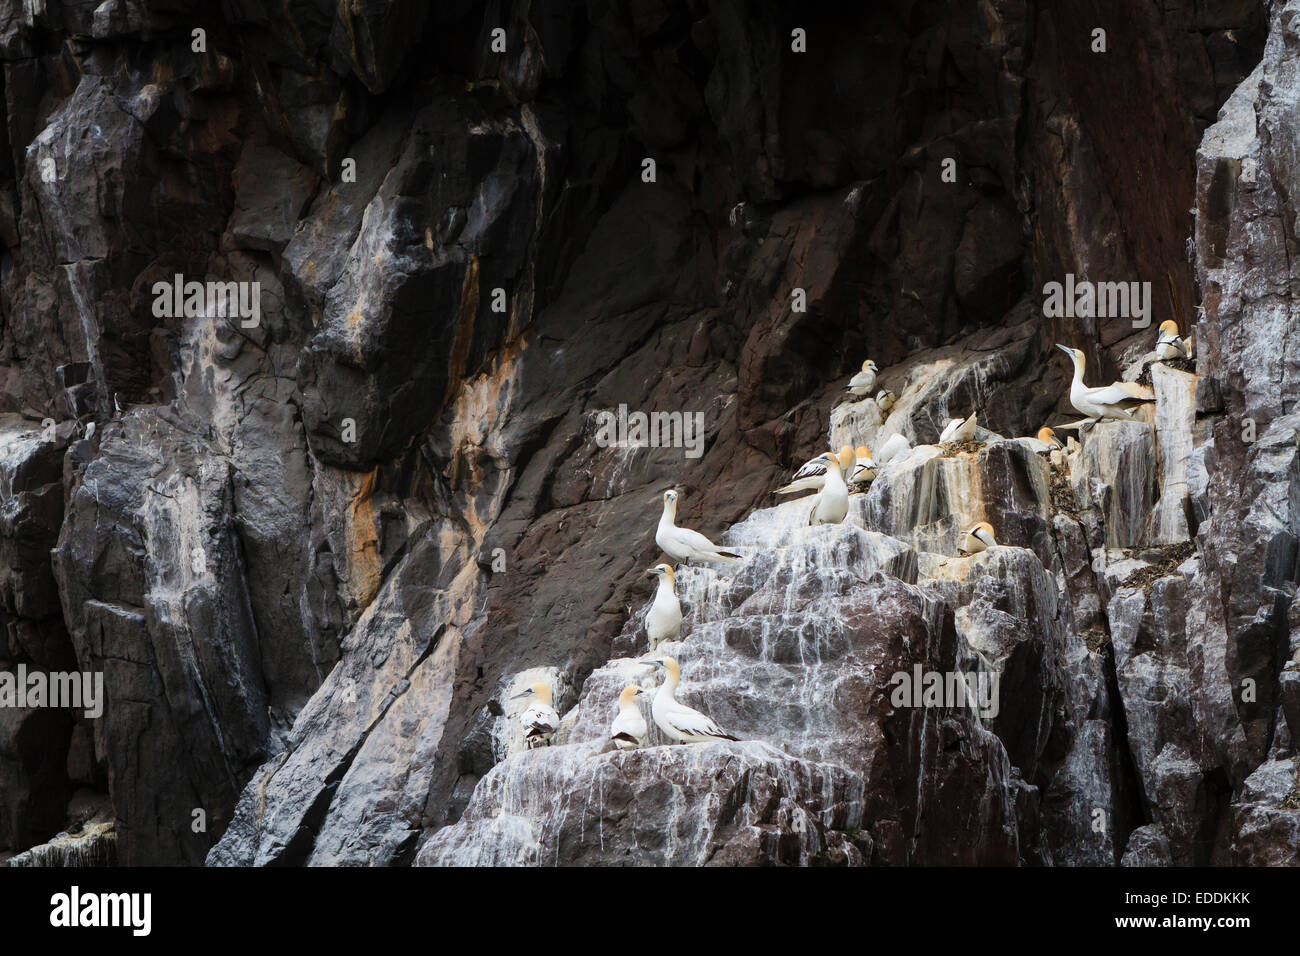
812 475
539 720
864 469
663 622
1048 437
1119 401
681 723
832 502
629 728
683 544
861 383
959 429
885 400
1169 345
977 538
891 449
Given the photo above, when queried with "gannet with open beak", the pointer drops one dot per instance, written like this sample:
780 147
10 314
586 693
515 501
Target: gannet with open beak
1169 345
959 429
864 469
977 538
891 449
539 720
885 400
832 502
683 544
628 731
812 475
861 383
677 721
1119 401
663 622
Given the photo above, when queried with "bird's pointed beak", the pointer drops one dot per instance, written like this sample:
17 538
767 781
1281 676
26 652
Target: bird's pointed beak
521 696
1065 348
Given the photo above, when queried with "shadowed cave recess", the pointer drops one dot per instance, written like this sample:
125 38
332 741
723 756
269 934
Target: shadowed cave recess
317 547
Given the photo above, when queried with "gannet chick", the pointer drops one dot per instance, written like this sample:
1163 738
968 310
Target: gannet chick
864 469
959 429
891 449
885 400
539 720
1169 345
683 544
977 538
681 723
1119 401
861 383
629 728
663 622
832 502
812 475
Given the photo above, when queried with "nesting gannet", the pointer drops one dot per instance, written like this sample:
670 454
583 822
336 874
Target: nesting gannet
832 502
861 383
1048 437
885 400
539 720
90 430
891 449
681 723
977 538
1169 345
1119 401
812 475
629 728
663 622
959 429
683 544
864 469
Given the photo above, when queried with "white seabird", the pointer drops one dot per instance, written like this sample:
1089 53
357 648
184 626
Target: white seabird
864 469
663 622
628 731
1048 437
1169 345
812 475
683 544
891 449
977 538
832 502
885 400
861 383
1118 401
959 429
90 430
539 720
681 723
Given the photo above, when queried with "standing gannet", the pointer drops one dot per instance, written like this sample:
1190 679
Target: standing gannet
539 720
663 622
812 475
891 449
683 544
861 383
681 723
629 728
885 400
1169 345
832 502
864 469
959 429
1118 401
977 538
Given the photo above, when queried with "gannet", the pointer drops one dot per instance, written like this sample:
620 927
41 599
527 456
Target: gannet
681 723
832 502
539 720
629 728
895 446
1169 345
885 400
1118 401
861 383
812 475
663 622
683 544
959 429
1048 437
977 538
864 469
90 430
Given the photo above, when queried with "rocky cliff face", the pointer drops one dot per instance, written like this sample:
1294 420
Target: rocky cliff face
314 555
